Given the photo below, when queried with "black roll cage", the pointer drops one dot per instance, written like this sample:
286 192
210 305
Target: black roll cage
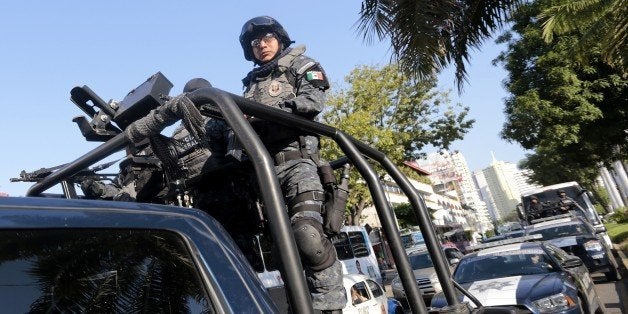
233 108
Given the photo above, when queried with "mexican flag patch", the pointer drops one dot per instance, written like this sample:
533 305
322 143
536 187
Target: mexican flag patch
314 75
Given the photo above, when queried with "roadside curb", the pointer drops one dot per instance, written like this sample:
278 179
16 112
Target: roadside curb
622 257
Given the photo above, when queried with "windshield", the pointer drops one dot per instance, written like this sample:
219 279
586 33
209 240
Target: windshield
561 231
419 261
504 264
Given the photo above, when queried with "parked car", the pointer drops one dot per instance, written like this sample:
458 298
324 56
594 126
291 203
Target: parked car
577 236
535 277
367 296
424 271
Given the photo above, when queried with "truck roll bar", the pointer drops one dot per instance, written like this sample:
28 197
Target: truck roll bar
233 108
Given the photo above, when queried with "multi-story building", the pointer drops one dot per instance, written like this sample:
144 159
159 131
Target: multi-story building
500 178
446 207
469 193
506 183
485 194
449 172
522 180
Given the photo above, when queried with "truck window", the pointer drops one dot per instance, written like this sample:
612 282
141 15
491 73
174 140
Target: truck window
376 289
358 244
343 246
98 270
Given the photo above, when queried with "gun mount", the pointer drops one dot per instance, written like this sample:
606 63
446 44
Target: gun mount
232 109
136 104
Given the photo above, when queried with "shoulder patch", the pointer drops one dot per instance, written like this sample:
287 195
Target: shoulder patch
316 76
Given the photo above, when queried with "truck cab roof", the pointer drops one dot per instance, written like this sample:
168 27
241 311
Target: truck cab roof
123 255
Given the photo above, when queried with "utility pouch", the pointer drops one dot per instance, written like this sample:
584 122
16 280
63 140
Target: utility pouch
336 196
327 175
334 209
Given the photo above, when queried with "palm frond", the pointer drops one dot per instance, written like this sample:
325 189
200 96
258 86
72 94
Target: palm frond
426 36
375 19
601 23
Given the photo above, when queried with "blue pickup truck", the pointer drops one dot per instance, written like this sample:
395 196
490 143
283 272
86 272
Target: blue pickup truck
85 256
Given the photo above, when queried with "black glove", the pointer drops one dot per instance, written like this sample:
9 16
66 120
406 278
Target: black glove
92 189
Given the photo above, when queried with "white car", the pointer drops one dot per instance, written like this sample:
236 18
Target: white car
535 277
364 295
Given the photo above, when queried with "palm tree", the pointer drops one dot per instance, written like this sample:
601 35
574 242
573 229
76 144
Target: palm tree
601 22
428 35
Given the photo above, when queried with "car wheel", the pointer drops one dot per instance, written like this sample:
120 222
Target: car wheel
612 275
581 305
399 310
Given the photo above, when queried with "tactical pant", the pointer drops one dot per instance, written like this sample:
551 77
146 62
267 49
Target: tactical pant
299 180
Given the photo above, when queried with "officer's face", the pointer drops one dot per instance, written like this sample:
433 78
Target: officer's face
266 47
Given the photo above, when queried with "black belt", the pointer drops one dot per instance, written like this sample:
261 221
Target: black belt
307 196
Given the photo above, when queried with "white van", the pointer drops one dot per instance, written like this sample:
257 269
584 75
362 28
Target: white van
355 252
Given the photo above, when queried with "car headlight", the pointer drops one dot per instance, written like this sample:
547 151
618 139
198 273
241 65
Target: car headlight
593 245
555 303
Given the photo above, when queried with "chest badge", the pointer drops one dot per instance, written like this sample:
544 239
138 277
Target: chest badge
275 88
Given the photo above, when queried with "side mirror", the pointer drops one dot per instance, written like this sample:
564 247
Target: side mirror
572 262
600 229
454 261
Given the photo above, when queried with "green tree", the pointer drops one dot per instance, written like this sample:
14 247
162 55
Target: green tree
511 216
601 24
396 115
602 200
572 114
427 35
405 215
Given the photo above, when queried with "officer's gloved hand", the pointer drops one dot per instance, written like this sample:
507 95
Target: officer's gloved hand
92 188
123 197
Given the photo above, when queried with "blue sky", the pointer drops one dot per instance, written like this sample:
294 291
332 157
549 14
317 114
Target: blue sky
49 47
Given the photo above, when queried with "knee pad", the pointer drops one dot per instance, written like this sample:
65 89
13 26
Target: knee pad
317 252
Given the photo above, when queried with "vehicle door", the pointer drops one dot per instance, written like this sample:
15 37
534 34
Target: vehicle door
362 299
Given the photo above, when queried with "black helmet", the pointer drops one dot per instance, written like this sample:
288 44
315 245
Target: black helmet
257 26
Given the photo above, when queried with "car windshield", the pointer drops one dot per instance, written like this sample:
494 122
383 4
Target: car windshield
561 231
419 261
503 264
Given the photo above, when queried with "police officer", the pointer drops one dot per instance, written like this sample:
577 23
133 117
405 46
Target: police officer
535 208
179 158
284 78
565 202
